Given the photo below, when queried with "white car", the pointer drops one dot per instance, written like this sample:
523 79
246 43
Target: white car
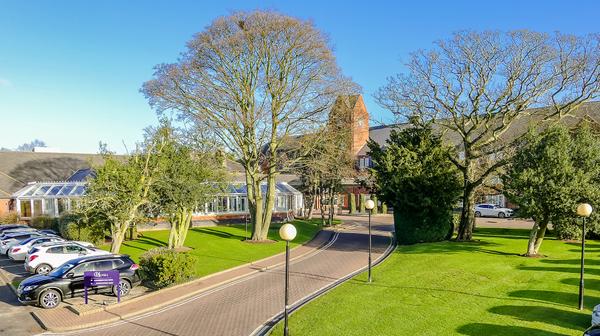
13 239
46 257
19 230
492 210
19 252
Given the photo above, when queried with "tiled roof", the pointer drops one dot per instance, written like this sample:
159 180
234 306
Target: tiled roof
590 111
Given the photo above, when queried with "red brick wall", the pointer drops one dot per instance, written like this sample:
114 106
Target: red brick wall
360 126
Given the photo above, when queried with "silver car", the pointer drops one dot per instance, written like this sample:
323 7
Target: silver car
19 252
14 239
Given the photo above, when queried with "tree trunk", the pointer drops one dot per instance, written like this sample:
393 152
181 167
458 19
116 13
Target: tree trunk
536 237
467 216
256 207
321 198
117 239
331 206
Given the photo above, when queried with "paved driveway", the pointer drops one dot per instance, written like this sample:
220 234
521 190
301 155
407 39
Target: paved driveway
239 308
15 319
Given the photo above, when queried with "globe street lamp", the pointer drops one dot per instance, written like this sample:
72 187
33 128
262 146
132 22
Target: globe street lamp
287 232
369 204
584 210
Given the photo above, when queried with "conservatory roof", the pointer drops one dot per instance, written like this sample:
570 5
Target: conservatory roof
52 189
63 189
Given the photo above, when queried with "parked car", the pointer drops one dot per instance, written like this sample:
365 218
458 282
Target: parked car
46 257
492 210
5 227
67 280
13 239
19 251
50 232
592 331
17 230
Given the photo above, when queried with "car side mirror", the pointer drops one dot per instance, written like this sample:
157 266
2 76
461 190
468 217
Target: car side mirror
69 275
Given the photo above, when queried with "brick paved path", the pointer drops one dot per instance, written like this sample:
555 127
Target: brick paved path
238 308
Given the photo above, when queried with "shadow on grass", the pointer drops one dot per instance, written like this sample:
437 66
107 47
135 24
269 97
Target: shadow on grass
561 298
487 329
588 261
517 298
152 241
576 270
548 315
592 284
448 247
218 233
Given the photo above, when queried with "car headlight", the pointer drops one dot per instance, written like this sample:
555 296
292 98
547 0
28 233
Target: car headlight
29 288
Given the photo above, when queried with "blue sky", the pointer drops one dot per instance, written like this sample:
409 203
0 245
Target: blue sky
70 71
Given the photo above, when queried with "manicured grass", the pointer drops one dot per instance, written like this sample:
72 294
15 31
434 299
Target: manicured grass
221 247
449 288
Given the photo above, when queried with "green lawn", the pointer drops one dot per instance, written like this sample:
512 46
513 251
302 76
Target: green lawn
221 247
449 288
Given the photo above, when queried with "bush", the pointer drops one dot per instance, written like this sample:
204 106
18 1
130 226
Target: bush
414 175
9 218
163 267
352 203
44 222
74 227
384 209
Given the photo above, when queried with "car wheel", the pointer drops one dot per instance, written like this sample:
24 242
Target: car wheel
50 299
477 214
501 215
124 287
43 269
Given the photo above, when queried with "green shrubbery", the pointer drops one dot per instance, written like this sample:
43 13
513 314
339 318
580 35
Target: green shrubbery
74 227
414 175
9 218
44 222
162 267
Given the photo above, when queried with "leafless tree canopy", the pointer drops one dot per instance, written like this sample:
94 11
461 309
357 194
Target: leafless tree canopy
249 72
253 80
475 85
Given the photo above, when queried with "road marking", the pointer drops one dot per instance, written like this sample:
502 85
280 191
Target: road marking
185 301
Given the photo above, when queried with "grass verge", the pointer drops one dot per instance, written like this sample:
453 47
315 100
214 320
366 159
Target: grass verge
448 288
218 248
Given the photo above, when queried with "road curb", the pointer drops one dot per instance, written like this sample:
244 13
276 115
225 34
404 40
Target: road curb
267 327
330 235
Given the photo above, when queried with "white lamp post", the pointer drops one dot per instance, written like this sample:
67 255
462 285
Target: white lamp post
369 204
287 232
584 210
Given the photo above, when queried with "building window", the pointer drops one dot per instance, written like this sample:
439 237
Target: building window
26 208
37 207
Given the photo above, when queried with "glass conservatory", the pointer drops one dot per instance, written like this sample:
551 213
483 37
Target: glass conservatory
56 198
48 198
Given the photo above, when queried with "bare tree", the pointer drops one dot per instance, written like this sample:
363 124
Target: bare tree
475 86
321 171
254 80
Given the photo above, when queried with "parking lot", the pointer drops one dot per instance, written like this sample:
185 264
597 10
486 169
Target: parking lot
15 318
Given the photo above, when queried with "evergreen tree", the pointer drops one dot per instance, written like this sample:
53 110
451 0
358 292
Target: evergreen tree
413 173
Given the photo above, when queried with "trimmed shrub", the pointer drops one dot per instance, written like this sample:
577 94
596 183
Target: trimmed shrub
376 208
73 227
9 218
363 199
384 208
352 203
162 267
44 222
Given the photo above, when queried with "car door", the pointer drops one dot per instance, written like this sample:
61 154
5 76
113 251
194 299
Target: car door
77 285
103 265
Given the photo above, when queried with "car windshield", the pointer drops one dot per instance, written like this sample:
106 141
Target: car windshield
62 270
